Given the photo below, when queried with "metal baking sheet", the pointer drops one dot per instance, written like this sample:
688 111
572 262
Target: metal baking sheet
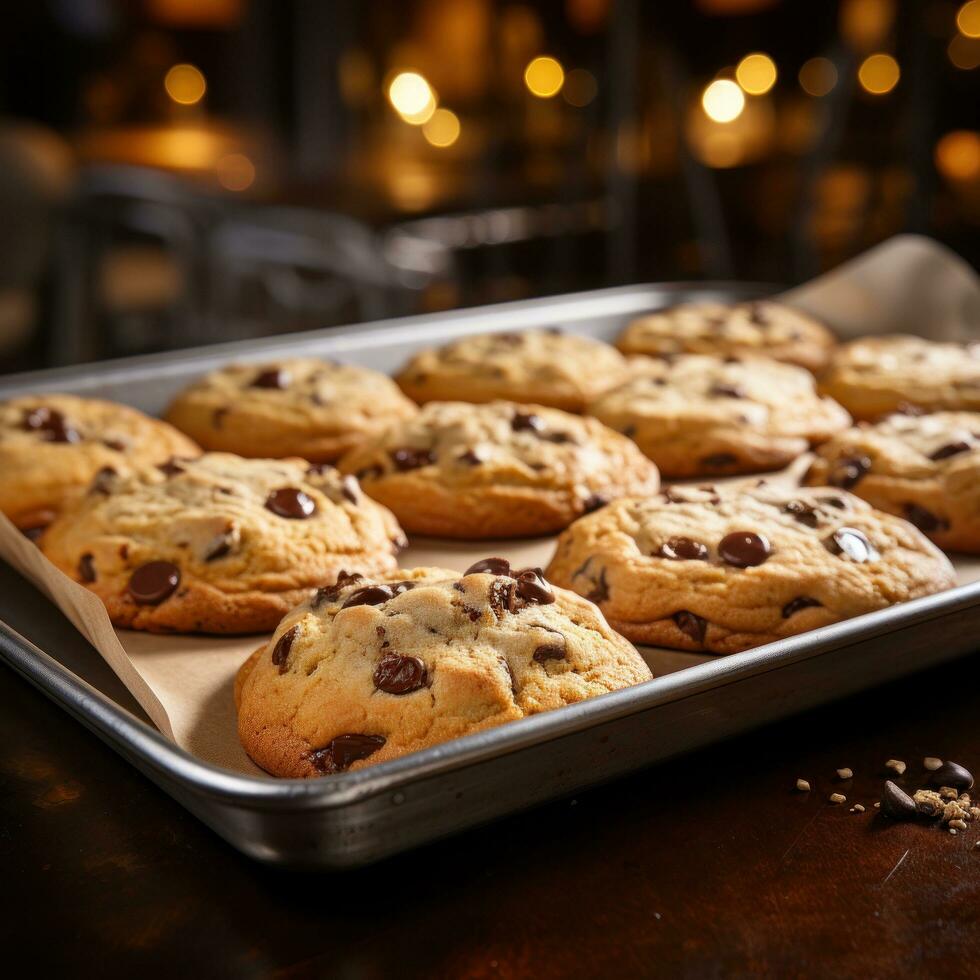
357 818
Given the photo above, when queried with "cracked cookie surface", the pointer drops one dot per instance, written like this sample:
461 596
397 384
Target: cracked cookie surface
541 366
375 668
701 415
726 569
875 376
219 544
303 407
760 327
498 470
53 446
925 468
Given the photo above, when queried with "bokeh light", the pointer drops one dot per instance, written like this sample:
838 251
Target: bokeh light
544 77
964 52
185 84
818 76
958 155
968 19
580 87
879 73
235 172
412 97
442 129
756 73
723 101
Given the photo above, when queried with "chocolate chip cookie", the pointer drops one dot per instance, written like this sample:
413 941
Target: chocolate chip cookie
925 468
373 668
53 446
296 407
701 415
761 327
875 376
219 544
498 470
725 569
547 367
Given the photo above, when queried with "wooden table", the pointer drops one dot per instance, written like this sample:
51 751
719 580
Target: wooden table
710 866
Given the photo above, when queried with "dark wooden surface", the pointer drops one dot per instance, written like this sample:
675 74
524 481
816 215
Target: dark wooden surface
709 866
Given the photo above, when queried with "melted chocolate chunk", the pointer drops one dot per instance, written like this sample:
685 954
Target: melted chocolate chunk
951 449
549 651
369 595
153 582
925 520
690 624
103 480
329 593
291 503
272 378
344 751
800 602
532 587
837 502
802 512
472 457
396 674
680 548
491 566
280 652
847 472
600 588
744 549
219 548
86 568
171 467
722 390
851 543
409 458
50 425
529 422
595 502
561 438
719 461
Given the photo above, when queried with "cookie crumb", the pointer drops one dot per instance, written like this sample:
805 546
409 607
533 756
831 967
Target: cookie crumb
857 808
845 773
837 798
878 805
932 763
896 765
958 824
803 786
953 831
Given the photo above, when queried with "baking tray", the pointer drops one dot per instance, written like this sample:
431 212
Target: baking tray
356 818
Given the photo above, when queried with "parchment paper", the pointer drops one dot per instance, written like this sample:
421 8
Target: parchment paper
908 284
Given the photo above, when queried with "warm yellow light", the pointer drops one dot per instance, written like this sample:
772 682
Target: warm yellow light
968 19
544 77
818 76
879 73
412 97
723 101
185 84
235 172
964 52
958 155
442 129
756 73
580 87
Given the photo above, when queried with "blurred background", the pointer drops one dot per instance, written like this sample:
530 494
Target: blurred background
175 172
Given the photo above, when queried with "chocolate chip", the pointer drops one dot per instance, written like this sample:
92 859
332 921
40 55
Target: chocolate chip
291 503
117 445
396 674
218 417
490 566
744 549
51 425
272 378
409 458
561 438
680 548
344 751
171 467
722 390
397 588
690 624
954 775
719 461
837 502
329 593
594 502
350 489
924 519
86 568
532 587
847 472
369 595
522 422
280 652
549 651
218 548
600 588
853 544
34 532
951 449
153 582
472 457
800 602
896 803
103 480
802 512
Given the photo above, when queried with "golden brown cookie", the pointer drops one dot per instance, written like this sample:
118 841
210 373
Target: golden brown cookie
53 446
875 376
702 415
375 668
546 367
499 470
725 569
299 406
761 327
219 544
925 468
